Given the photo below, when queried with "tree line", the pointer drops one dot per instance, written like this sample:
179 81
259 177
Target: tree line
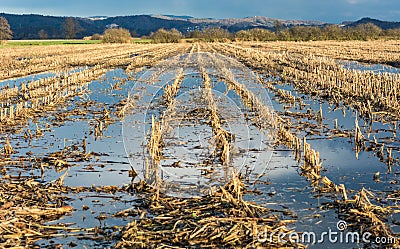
367 31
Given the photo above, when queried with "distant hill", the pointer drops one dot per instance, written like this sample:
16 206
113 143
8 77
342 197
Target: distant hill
28 26
382 24
236 24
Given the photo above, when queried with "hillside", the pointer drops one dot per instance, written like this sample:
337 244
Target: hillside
28 26
382 24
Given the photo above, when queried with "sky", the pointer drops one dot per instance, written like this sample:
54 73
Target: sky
331 11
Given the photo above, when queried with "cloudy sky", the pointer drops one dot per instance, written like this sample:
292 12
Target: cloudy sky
333 11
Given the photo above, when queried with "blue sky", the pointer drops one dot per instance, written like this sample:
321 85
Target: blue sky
333 11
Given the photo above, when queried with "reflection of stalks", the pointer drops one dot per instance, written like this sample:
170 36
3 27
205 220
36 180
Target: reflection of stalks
127 105
312 163
390 159
84 145
358 139
98 129
38 131
291 141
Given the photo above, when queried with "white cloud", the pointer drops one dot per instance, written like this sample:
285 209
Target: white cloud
353 1
366 1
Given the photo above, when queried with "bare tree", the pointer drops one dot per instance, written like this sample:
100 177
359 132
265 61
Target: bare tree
5 30
71 27
43 34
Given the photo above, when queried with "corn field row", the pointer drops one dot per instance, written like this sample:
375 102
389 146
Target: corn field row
311 169
155 56
160 128
21 62
49 95
368 92
377 52
266 115
24 100
222 136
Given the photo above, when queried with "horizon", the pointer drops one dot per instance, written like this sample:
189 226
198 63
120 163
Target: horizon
325 11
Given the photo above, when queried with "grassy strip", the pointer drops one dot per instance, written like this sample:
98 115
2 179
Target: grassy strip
18 43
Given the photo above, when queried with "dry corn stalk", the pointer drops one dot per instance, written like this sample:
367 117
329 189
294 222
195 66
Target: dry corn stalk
221 135
8 150
222 218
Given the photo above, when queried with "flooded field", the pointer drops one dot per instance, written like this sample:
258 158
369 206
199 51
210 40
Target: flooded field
199 145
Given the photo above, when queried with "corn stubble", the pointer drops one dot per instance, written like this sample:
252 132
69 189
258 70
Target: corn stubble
375 96
222 218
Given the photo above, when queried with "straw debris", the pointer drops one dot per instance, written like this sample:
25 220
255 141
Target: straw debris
221 219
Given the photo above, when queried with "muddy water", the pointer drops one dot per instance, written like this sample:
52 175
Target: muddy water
190 143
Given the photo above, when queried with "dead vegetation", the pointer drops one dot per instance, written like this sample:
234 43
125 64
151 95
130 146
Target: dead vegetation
25 206
310 84
221 219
